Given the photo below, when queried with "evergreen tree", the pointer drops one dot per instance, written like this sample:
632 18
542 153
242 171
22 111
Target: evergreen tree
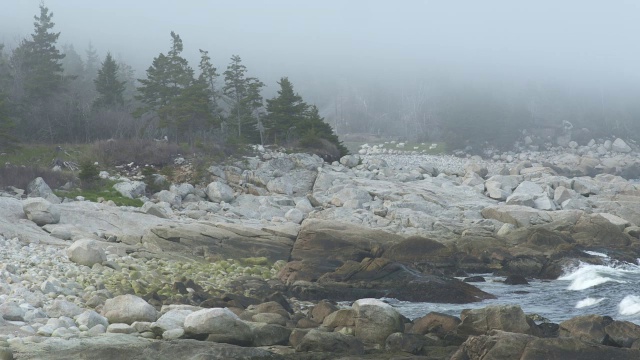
289 115
126 74
41 65
243 94
170 92
208 75
285 111
108 86
72 64
8 142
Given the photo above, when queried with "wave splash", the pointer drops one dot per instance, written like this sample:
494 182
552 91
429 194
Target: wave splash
630 305
585 275
588 302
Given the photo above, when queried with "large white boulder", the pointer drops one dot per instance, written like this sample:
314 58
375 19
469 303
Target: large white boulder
127 309
86 252
39 188
41 211
91 318
620 146
376 320
130 189
217 192
171 320
350 160
222 325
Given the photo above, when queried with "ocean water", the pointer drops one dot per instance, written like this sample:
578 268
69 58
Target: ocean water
612 289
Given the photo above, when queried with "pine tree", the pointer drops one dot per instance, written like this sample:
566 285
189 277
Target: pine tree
108 86
243 96
208 75
170 92
284 112
289 115
42 67
8 142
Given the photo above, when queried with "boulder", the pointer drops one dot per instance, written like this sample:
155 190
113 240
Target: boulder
330 342
130 189
11 311
219 325
60 308
86 252
434 322
619 145
321 310
269 334
173 199
127 309
376 320
325 245
41 211
217 191
350 160
172 319
509 318
38 188
340 318
183 189
407 343
90 319
601 330
506 345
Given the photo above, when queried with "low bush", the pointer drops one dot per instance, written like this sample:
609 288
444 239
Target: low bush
21 176
139 151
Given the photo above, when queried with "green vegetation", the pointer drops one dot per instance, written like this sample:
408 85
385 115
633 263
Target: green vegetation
104 193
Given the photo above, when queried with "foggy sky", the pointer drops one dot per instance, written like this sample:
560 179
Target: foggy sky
571 40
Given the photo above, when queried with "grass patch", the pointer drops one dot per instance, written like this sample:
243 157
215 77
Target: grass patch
94 194
43 154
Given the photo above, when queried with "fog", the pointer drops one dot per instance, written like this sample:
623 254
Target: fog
328 45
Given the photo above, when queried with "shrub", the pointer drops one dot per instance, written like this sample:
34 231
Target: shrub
21 176
124 151
88 172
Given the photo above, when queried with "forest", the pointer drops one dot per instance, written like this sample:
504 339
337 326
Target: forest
53 93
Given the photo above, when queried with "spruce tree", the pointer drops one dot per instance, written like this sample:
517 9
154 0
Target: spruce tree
242 93
108 86
289 115
170 92
41 65
8 141
284 112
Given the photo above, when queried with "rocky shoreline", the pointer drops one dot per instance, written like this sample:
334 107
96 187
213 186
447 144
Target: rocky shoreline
242 267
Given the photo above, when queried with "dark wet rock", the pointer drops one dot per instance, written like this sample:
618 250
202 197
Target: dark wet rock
500 345
474 279
509 318
437 323
332 342
383 278
516 280
408 343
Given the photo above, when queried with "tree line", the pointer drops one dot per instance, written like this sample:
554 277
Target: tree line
51 94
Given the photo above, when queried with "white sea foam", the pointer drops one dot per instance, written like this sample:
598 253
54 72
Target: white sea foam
630 305
588 302
595 253
587 275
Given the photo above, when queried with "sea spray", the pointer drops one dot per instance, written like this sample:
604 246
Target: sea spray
630 305
588 302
